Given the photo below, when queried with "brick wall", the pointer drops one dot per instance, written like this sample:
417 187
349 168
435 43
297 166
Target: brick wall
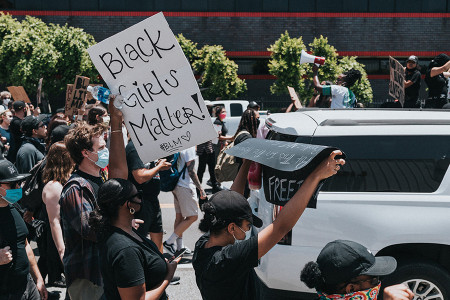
257 33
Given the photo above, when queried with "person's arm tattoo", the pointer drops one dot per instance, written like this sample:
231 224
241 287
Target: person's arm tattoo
193 175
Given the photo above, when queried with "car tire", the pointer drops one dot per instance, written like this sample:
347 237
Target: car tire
420 277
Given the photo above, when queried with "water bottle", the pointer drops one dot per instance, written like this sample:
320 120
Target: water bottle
99 93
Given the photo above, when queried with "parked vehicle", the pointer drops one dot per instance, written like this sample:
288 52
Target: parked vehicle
392 195
234 109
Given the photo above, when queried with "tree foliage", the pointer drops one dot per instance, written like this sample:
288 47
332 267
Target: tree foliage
284 64
31 49
218 74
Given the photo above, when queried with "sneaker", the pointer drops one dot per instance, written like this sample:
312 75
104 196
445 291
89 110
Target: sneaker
171 248
188 251
209 183
175 280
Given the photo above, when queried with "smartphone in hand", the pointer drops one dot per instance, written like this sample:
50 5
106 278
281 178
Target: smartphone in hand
177 254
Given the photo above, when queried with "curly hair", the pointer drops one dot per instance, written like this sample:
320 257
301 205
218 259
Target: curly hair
312 277
351 77
249 122
80 138
212 224
59 165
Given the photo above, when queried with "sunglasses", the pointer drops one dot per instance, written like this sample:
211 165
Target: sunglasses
373 281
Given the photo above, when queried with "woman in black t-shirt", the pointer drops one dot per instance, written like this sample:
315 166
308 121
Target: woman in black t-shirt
436 79
225 257
132 266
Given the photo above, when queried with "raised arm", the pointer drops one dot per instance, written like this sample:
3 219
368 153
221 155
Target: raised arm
439 70
241 178
316 81
292 211
117 160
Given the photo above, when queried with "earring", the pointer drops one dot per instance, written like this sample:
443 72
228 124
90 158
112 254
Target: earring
132 210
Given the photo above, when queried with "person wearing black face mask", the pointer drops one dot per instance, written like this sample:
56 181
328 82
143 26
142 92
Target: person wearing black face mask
412 83
132 266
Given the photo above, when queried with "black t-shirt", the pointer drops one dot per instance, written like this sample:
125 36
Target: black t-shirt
95 182
150 188
437 85
16 138
13 232
224 129
412 92
127 262
226 272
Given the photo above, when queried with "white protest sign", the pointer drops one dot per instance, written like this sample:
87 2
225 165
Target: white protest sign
164 110
397 80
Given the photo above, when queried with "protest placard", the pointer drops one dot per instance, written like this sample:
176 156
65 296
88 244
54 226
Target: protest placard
397 80
285 165
294 97
18 93
163 109
69 90
76 98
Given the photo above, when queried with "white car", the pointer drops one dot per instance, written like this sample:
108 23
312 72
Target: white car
392 196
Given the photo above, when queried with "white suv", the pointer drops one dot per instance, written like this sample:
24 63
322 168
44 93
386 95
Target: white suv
392 195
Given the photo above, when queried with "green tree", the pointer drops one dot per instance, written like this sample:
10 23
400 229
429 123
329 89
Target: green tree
362 89
284 64
218 74
31 49
189 48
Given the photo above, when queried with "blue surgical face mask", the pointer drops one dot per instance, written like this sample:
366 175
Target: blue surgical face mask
12 195
103 158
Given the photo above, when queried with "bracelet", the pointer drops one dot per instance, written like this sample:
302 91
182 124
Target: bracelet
113 131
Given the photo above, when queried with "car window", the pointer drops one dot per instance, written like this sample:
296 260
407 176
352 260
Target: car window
414 164
236 109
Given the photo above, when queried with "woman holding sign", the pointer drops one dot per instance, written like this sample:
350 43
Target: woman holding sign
225 256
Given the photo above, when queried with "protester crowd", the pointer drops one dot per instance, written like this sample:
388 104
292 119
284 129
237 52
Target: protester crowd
79 188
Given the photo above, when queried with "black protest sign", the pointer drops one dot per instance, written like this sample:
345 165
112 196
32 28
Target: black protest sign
39 92
397 80
76 99
163 108
285 165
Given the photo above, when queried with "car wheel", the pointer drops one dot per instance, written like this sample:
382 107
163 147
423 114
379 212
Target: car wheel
426 280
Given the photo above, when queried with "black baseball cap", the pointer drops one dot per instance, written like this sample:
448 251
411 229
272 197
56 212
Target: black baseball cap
31 122
253 105
18 105
59 133
9 173
230 205
413 58
340 261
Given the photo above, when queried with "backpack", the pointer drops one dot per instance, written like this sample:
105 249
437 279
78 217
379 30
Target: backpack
32 188
169 178
227 167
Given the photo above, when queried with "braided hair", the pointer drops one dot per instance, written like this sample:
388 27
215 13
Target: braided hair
249 122
213 224
313 278
351 77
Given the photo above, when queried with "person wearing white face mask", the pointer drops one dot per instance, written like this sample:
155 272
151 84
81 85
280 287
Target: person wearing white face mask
5 96
226 255
87 148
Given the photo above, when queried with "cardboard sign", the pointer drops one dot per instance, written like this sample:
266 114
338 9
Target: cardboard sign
76 99
18 93
163 109
294 97
285 165
69 91
397 80
39 92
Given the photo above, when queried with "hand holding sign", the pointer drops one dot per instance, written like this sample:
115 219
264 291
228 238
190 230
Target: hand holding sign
286 165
